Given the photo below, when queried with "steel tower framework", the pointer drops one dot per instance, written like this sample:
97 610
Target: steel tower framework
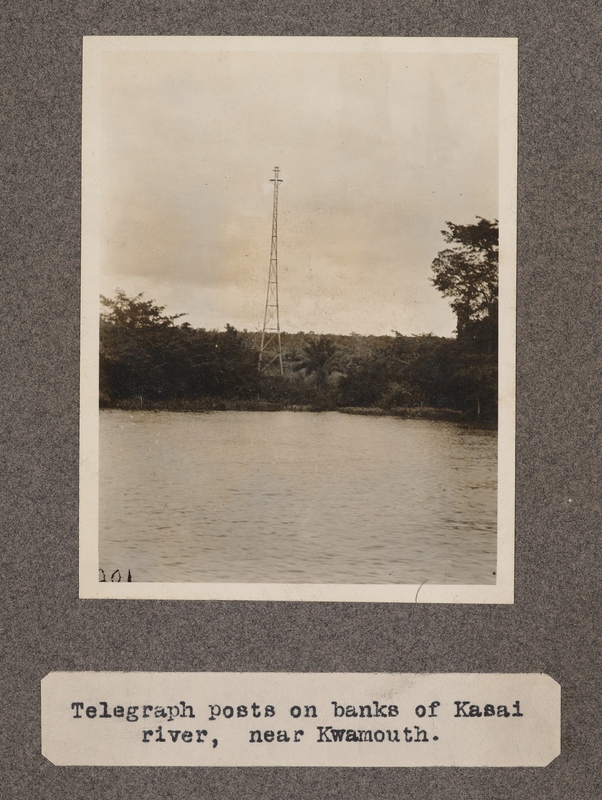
270 351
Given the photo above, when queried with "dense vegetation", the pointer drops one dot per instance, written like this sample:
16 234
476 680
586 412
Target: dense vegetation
151 360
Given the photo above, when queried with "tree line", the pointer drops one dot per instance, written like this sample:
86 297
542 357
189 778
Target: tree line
149 359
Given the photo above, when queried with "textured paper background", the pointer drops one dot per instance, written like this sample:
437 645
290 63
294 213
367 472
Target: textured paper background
553 625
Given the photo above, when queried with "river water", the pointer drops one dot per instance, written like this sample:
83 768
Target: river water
296 498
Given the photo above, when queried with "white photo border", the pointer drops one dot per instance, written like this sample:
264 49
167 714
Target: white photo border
90 586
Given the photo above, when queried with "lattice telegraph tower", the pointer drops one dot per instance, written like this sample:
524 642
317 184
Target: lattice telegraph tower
270 351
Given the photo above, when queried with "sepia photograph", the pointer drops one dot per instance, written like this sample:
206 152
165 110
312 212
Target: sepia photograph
298 293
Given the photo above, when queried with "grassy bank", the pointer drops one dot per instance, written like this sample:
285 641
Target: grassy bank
409 412
208 404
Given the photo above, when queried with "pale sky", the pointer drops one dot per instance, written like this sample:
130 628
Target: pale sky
376 151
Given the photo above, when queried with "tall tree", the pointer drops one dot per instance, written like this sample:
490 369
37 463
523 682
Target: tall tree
319 358
467 271
135 312
136 345
145 356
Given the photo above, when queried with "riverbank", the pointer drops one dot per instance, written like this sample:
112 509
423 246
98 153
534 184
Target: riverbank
409 412
206 405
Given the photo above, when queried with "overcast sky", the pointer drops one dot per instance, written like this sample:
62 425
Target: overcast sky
376 150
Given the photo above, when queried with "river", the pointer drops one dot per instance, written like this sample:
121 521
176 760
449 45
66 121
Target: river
285 497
